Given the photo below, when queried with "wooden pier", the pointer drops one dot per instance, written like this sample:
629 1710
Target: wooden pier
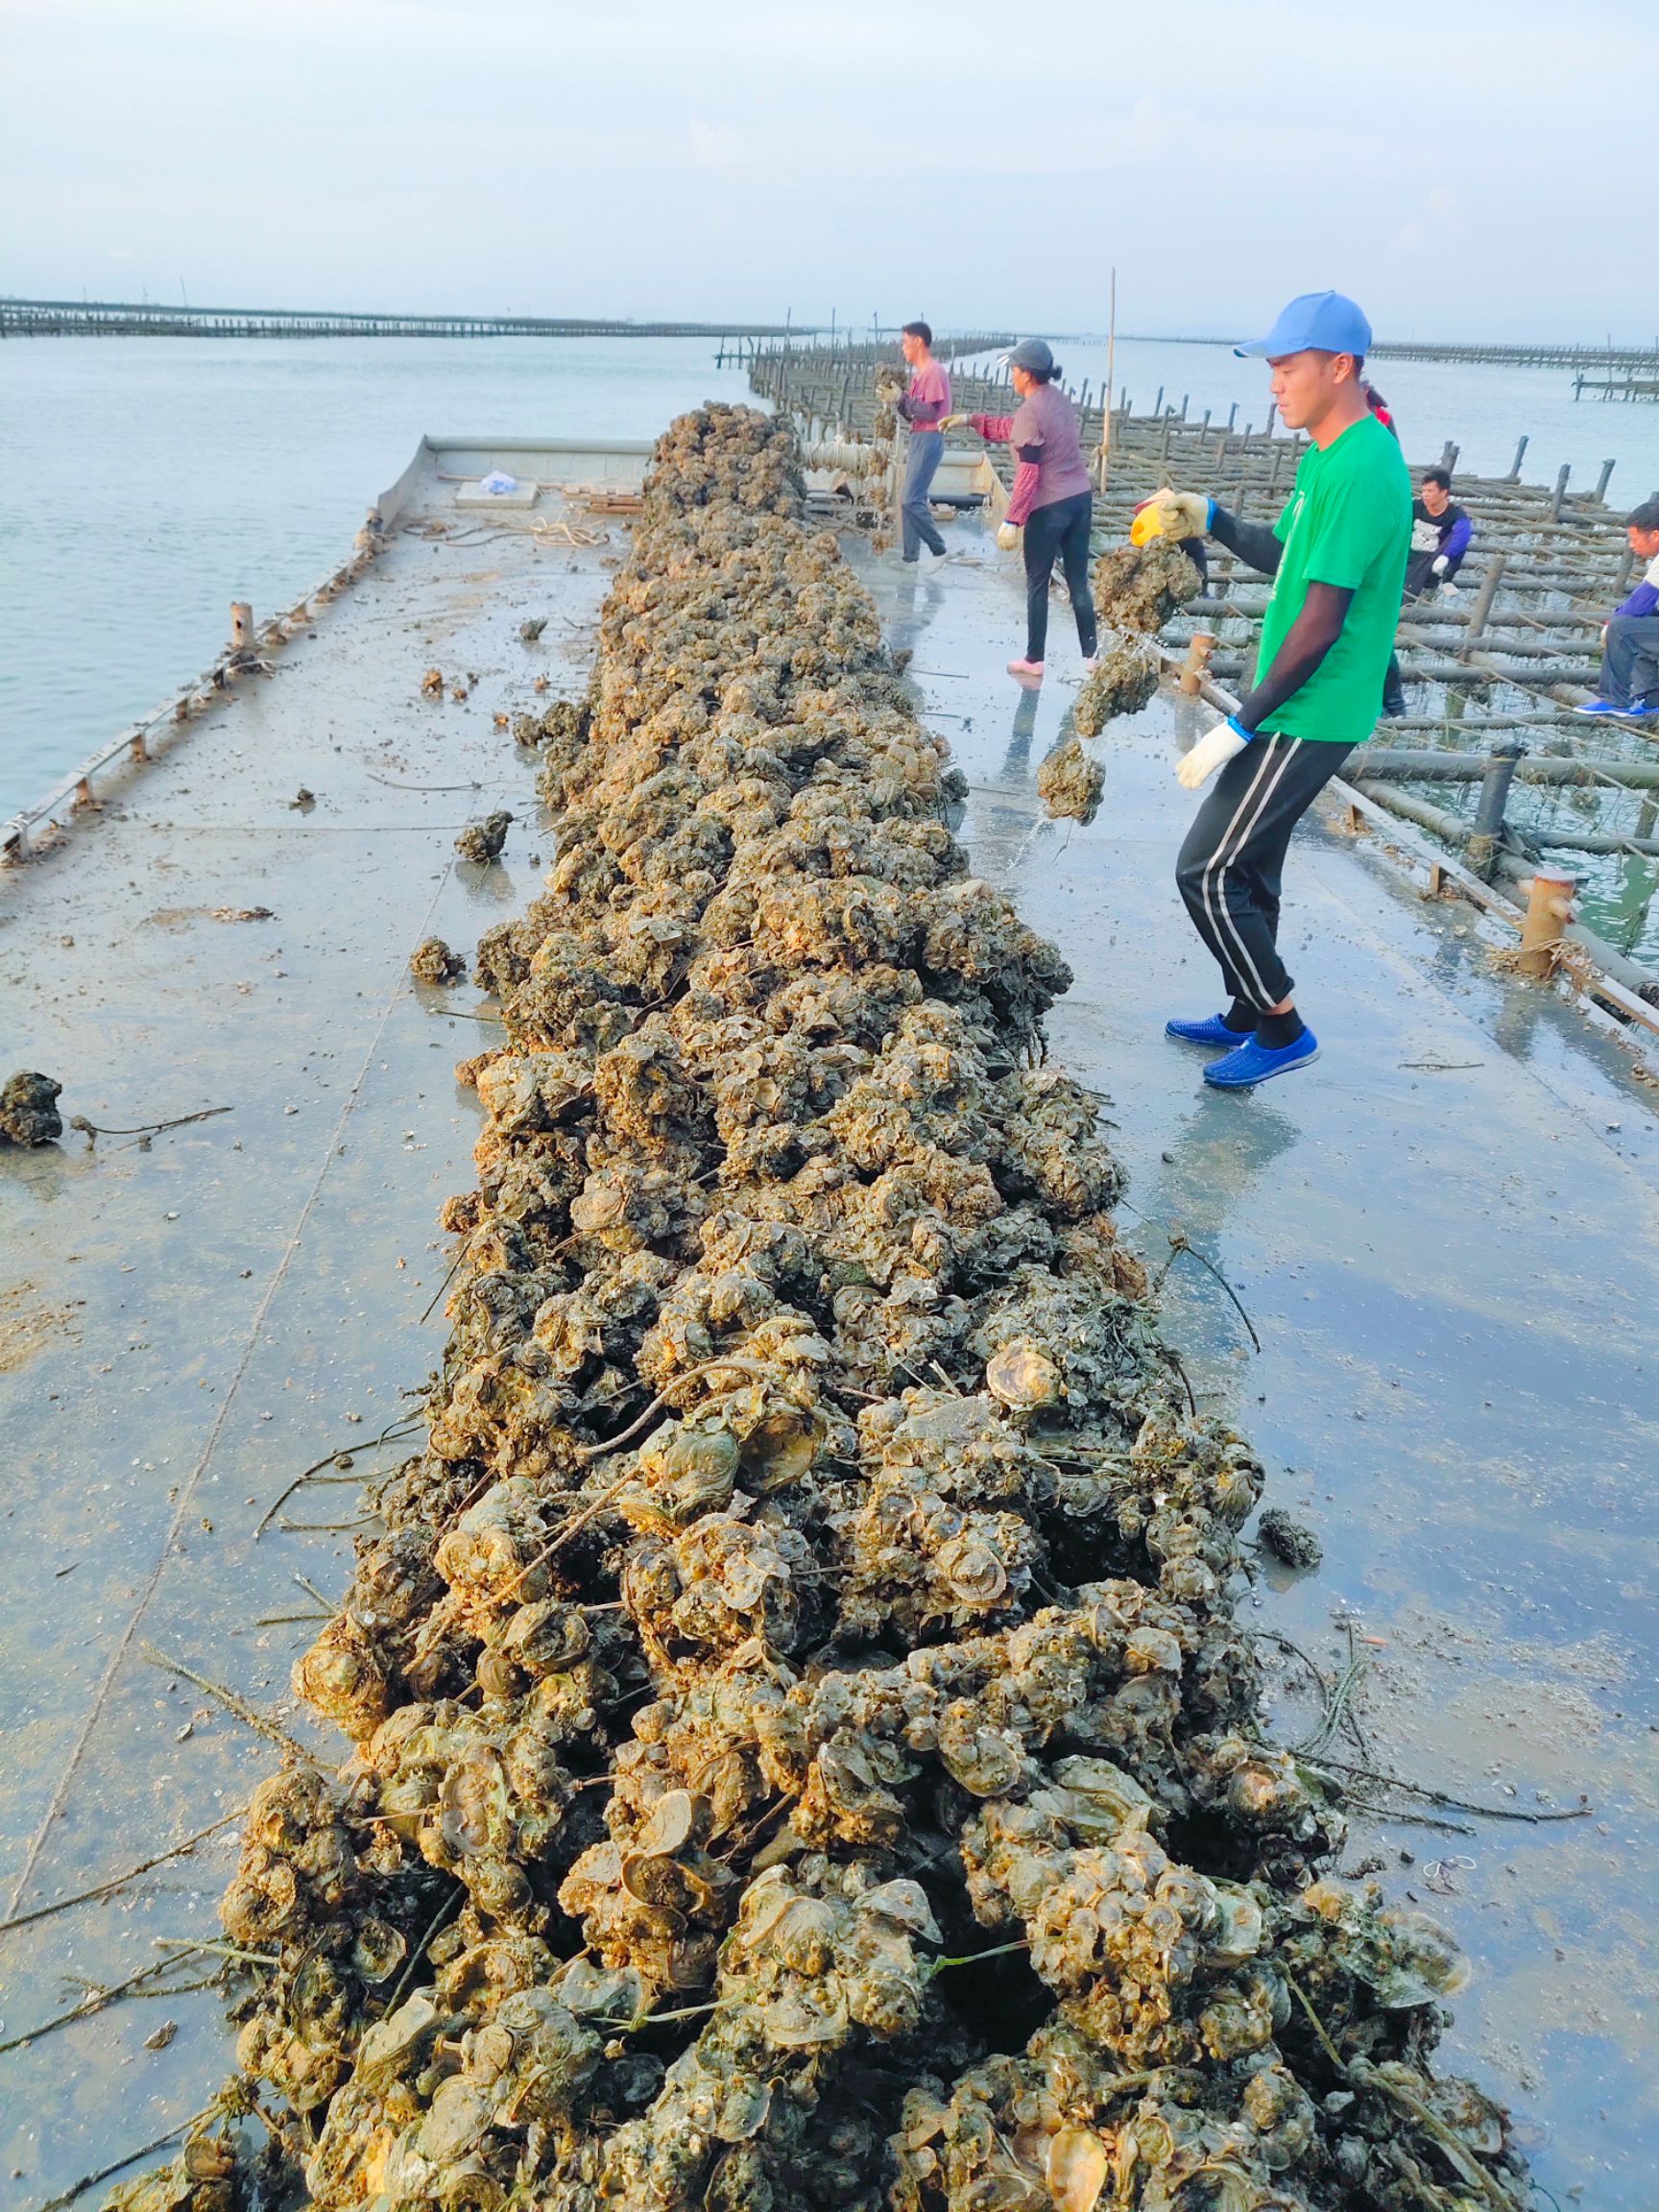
149 319
1514 649
1538 354
1625 385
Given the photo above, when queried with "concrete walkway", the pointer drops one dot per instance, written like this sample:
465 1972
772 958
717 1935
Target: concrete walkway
1453 1270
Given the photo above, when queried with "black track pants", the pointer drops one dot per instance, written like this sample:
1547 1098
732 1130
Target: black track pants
1058 532
1233 854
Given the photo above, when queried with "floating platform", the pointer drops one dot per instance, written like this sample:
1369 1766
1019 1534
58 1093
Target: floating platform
1445 1234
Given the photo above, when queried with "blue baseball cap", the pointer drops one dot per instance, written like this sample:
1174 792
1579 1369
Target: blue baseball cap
1328 321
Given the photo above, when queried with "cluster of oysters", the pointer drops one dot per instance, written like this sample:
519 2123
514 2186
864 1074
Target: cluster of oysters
1136 589
802 1754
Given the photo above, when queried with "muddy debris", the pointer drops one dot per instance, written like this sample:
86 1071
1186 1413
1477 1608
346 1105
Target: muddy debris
483 841
432 961
432 684
799 1751
1071 783
1290 1540
29 1109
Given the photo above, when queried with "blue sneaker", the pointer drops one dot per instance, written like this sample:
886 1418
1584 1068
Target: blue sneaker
1211 1031
1254 1063
1603 710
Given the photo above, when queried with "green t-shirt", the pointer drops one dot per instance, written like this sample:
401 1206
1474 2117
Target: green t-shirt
1348 522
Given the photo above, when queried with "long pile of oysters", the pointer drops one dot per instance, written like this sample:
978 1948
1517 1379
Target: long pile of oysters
802 1755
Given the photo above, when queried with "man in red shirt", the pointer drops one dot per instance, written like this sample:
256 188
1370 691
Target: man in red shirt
923 406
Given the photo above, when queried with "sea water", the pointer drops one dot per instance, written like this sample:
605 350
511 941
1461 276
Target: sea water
145 483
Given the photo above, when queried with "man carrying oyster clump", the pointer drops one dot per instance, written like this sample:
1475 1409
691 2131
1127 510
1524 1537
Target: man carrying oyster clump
1338 559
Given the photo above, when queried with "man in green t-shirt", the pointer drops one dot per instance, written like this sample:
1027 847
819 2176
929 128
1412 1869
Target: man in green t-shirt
1338 559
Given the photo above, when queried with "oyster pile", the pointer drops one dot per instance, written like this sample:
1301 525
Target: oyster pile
802 1755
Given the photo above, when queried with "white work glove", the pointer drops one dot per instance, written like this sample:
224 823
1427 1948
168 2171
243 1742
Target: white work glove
1447 590
1440 565
1212 748
1010 537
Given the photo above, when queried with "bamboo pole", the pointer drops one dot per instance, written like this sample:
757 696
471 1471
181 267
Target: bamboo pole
1105 453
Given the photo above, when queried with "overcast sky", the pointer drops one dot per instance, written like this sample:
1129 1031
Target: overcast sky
1465 170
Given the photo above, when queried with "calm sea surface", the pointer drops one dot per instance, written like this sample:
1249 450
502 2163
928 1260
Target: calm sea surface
145 483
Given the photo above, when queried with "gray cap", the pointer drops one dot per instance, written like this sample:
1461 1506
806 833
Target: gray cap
1032 353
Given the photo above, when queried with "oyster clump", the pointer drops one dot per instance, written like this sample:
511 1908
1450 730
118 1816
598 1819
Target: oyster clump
802 1750
1288 1539
29 1109
1123 679
1071 783
483 841
432 961
1138 587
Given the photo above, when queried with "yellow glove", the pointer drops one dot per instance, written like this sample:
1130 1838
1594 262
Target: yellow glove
952 422
1010 537
1170 514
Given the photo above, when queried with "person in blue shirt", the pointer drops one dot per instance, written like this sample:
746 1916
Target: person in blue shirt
1440 534
1630 641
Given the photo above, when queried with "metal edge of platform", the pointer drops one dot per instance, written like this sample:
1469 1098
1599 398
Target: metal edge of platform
621 462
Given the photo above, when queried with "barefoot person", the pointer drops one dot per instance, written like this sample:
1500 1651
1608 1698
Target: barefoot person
923 407
1052 499
1338 559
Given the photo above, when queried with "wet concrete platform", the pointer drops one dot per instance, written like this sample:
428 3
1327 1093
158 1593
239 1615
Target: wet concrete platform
1444 1233
1452 1268
183 1327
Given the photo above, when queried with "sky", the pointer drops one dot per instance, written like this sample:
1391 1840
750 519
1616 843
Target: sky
1475 171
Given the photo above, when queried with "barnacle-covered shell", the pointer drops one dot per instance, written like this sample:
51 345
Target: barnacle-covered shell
1022 1378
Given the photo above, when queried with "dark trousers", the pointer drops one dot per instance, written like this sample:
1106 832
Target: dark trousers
1630 659
1058 532
1233 855
1420 576
921 467
1393 689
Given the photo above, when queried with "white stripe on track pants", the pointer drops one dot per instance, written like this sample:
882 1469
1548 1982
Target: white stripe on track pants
1233 854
